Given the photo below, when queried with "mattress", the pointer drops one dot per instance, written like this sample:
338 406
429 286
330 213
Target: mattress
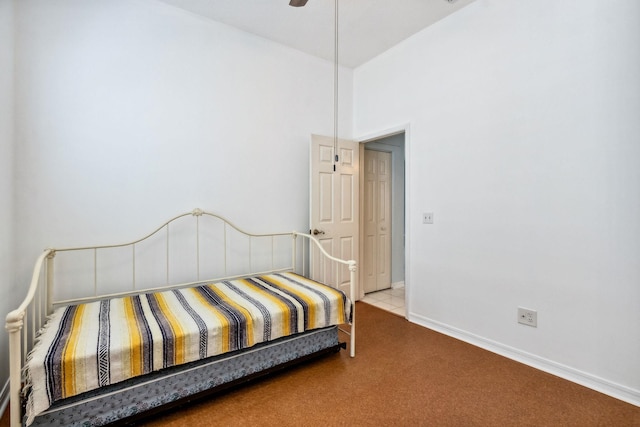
87 346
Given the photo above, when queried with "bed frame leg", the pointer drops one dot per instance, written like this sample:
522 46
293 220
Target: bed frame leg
352 291
14 326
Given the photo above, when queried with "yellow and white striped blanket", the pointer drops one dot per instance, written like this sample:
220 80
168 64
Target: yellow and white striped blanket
87 346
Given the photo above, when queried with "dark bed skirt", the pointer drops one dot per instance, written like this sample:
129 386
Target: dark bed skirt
137 398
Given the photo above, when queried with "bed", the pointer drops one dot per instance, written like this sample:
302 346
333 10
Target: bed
108 344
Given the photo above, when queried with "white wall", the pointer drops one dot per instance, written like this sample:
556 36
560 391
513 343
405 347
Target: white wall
524 143
7 284
131 111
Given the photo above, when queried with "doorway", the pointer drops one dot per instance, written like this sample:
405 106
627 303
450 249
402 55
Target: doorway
382 223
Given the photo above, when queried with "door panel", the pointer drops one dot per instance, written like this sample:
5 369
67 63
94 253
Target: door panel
347 202
326 197
369 226
377 221
322 270
334 208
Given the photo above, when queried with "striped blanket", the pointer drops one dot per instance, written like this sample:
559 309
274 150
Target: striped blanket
87 346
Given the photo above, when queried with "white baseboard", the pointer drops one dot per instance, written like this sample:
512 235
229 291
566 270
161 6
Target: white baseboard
397 285
4 398
585 379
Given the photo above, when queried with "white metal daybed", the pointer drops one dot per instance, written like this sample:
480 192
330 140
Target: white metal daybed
80 355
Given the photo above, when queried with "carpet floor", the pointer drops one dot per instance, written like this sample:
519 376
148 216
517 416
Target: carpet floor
405 375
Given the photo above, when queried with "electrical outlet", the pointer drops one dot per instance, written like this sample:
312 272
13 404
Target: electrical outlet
427 218
528 317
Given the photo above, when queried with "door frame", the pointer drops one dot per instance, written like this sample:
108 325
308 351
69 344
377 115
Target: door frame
362 140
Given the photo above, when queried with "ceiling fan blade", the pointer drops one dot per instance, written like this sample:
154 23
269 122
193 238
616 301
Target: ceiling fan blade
297 3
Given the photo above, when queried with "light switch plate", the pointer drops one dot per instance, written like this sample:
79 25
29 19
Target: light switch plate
427 218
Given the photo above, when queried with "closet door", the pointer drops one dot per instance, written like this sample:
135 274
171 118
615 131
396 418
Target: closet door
377 221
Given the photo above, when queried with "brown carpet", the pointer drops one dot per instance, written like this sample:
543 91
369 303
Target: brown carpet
406 375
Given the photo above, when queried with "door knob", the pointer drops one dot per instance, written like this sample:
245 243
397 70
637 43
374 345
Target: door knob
316 232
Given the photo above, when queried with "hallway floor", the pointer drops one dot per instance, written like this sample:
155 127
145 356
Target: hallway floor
389 299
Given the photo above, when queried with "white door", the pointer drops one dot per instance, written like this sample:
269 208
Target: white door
334 207
376 260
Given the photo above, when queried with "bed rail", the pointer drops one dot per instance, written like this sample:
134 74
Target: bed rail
24 322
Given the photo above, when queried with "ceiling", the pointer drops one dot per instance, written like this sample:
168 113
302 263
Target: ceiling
366 27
